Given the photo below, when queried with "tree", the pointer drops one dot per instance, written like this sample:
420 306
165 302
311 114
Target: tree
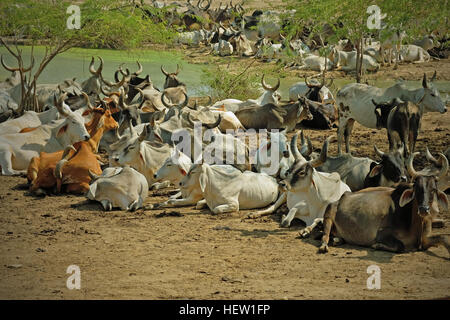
103 23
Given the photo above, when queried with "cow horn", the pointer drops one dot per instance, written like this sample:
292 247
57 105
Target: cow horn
7 67
117 84
59 104
209 101
378 152
144 133
297 155
268 88
116 133
433 77
64 159
100 67
141 93
185 102
88 102
322 157
409 165
122 103
178 69
444 161
91 66
308 83
164 102
92 175
164 71
330 83
430 157
105 92
310 147
139 70
116 76
424 81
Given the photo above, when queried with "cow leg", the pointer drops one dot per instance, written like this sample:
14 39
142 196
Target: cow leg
386 241
160 185
175 203
136 204
347 133
435 240
328 221
201 204
176 195
5 163
225 208
286 220
307 231
269 210
77 188
107 205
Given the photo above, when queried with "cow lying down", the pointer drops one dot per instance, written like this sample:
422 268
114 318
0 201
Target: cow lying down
392 219
124 188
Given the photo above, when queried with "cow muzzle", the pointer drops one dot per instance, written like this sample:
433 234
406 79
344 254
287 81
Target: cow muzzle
87 137
424 210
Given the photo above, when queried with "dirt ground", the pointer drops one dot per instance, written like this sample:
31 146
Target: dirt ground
191 254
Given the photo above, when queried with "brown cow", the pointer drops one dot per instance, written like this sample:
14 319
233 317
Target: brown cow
41 169
392 219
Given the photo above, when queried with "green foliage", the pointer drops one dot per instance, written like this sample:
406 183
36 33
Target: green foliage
224 84
104 23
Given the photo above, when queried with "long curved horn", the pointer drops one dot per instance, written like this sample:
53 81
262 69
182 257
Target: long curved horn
91 66
308 83
100 67
59 103
424 81
378 152
294 148
122 103
118 84
88 102
7 67
268 88
105 92
64 159
185 102
164 71
330 83
209 101
409 165
444 161
164 102
144 133
139 70
430 157
92 175
178 70
141 93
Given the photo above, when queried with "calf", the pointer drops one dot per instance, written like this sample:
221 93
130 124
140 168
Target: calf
392 219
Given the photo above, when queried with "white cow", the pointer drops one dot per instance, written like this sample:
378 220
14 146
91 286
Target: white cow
346 61
17 149
270 95
174 168
315 63
193 38
145 156
413 53
30 119
354 103
248 190
119 187
425 43
222 48
278 143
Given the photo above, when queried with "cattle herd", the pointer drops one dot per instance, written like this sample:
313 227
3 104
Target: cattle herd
232 154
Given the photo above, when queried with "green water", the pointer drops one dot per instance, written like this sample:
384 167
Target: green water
75 63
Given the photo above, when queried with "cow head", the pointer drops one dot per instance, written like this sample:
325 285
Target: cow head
390 170
174 168
171 78
133 153
431 99
92 86
303 112
424 189
128 112
72 129
314 92
192 179
270 95
300 174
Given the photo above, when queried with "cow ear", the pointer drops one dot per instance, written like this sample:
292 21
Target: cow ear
183 172
86 113
442 200
406 197
146 109
62 130
376 170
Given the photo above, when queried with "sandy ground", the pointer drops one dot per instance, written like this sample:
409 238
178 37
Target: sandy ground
187 253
